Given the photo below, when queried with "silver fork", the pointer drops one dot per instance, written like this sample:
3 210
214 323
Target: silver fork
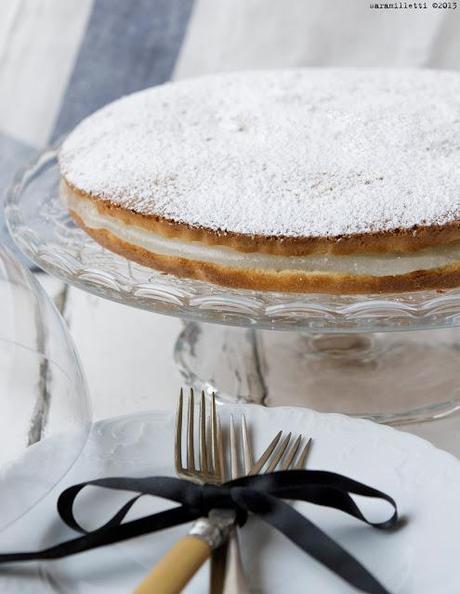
273 457
178 566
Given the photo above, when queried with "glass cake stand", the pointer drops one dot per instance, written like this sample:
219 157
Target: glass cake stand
391 358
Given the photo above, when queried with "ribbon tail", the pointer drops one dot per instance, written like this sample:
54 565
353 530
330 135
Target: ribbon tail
107 535
309 538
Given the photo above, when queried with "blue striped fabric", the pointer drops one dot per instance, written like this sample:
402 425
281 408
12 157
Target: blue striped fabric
126 46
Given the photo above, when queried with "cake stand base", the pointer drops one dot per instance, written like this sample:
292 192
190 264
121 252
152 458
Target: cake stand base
392 377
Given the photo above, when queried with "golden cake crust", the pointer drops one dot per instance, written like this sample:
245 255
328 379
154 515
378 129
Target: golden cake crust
285 281
400 241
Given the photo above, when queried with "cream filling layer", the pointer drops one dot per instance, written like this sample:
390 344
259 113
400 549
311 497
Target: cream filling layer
374 265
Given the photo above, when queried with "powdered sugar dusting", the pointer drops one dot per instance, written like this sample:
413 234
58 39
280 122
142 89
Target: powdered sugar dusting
311 152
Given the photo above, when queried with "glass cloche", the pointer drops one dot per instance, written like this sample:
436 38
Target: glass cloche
44 405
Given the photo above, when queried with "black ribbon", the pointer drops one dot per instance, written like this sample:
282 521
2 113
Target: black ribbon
260 495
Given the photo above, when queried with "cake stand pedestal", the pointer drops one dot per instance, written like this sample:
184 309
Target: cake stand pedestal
392 358
392 377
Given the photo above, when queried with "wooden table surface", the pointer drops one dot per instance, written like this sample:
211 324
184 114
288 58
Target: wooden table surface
127 354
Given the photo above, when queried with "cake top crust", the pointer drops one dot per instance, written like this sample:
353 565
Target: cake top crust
297 153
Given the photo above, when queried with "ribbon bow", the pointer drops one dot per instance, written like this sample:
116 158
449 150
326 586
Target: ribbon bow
261 495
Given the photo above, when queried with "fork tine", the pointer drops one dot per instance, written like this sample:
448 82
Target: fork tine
203 449
214 438
247 450
234 470
220 450
256 468
290 456
190 433
209 444
304 455
279 454
178 441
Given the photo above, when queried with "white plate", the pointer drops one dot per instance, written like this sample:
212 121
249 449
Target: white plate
421 557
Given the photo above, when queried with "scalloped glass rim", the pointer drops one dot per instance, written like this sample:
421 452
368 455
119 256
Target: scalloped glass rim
41 227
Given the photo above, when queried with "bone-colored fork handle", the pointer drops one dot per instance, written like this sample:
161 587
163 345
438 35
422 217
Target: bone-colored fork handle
172 573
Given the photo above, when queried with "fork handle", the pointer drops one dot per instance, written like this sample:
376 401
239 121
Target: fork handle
235 577
172 573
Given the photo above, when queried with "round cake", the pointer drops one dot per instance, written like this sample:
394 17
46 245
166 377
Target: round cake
309 180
